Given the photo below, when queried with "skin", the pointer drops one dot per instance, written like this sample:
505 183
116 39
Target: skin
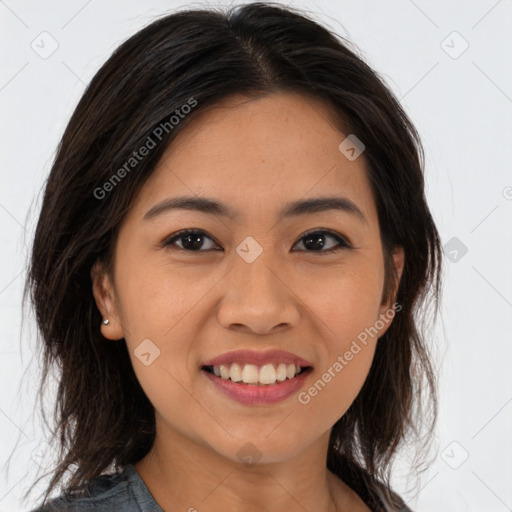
255 156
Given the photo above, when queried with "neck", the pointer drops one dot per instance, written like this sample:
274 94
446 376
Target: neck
185 475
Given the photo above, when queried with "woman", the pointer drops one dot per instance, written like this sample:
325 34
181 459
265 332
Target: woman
232 250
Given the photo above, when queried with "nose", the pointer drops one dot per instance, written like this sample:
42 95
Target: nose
257 298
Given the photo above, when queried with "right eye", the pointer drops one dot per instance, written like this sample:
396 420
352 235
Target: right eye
191 240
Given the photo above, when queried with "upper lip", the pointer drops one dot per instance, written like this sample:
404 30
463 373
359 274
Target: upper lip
259 358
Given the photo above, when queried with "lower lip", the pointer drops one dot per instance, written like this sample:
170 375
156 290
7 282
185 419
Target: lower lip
249 394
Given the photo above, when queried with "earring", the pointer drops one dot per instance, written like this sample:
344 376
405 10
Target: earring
106 321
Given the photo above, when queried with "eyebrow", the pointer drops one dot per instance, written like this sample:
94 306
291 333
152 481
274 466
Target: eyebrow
292 209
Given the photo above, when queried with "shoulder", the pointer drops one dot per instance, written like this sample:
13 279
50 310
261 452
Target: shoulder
117 491
381 499
373 493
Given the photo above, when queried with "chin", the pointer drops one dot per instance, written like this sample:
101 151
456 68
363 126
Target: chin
257 449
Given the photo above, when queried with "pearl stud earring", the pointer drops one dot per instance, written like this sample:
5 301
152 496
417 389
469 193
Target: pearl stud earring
106 321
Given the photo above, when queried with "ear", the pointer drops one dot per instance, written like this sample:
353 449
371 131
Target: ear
103 292
387 309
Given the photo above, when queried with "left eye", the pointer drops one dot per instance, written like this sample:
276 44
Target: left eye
315 241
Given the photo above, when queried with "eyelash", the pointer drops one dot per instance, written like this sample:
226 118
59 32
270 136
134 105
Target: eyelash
342 242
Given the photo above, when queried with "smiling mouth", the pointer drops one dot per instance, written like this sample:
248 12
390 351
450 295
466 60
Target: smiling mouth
250 374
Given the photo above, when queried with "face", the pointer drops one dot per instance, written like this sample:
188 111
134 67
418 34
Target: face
307 283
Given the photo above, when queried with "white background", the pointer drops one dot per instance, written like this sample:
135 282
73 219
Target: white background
462 108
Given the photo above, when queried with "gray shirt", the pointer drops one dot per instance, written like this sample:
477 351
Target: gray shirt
124 491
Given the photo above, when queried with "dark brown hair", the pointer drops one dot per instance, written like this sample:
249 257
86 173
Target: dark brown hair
103 419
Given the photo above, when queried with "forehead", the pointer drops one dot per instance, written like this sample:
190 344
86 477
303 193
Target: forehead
257 154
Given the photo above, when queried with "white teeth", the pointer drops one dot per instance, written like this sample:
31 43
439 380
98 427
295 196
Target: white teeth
250 374
235 374
281 372
267 374
224 371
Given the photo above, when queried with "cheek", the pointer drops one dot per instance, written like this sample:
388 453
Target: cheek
156 298
156 316
347 308
337 384
156 307
345 297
